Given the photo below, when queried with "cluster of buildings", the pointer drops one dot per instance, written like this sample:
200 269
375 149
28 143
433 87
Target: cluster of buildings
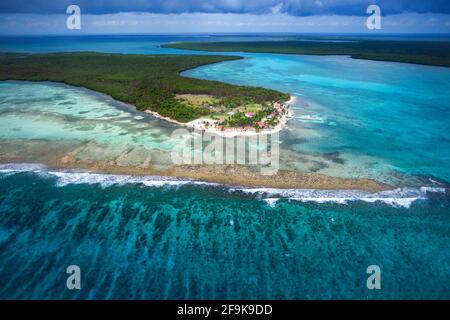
279 109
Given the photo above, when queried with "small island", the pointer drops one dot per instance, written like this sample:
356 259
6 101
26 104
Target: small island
153 84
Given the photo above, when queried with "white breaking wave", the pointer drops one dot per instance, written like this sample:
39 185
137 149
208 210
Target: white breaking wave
271 201
105 180
21 167
400 197
314 118
395 202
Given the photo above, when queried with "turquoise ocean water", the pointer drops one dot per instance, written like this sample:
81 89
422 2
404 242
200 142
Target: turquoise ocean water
157 238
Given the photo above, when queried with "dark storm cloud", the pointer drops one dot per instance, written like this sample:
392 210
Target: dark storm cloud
292 7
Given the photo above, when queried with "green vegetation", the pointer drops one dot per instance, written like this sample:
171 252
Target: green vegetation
239 119
419 52
146 81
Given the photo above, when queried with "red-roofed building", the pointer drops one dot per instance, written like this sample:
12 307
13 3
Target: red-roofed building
261 124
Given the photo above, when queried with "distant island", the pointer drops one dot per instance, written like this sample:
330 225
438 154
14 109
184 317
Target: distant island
153 84
435 53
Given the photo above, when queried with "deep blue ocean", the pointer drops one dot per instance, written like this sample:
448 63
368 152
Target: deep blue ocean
156 238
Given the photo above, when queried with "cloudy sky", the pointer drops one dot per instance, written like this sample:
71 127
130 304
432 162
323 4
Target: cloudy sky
214 16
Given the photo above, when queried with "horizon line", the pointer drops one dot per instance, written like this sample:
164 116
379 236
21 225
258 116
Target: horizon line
367 34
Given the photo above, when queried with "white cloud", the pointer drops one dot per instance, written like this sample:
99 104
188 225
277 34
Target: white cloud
277 9
215 23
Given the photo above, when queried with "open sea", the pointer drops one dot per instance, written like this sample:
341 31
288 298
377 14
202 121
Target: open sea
162 238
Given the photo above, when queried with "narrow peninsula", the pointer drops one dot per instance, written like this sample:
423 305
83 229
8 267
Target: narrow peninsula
434 53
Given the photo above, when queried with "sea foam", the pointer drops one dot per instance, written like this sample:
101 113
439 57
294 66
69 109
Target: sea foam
400 197
65 178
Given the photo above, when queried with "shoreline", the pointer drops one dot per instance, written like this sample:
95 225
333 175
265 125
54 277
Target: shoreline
229 132
194 124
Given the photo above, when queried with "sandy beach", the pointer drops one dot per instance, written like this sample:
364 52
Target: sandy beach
199 124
